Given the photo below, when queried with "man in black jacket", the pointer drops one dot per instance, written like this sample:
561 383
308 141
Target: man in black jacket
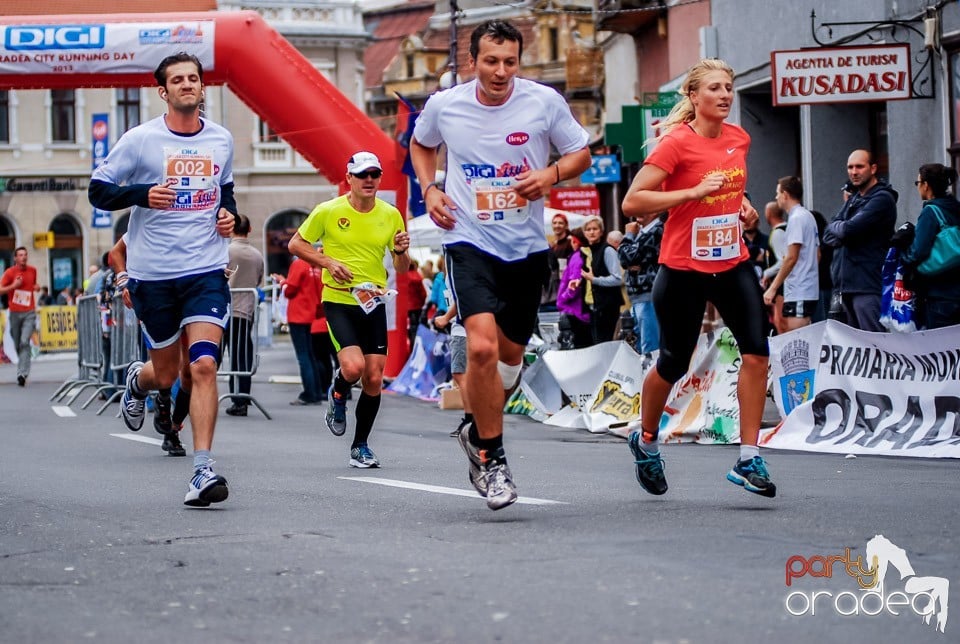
861 233
639 254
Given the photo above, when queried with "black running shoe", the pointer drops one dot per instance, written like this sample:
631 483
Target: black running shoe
172 445
752 475
163 415
649 467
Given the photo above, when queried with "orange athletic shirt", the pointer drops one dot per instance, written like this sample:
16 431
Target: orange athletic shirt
688 157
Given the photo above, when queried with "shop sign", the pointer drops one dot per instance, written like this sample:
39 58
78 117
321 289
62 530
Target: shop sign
840 75
584 200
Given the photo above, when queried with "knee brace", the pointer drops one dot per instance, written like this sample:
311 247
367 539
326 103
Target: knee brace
204 348
510 374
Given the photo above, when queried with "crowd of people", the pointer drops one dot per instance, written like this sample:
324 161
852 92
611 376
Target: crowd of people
692 242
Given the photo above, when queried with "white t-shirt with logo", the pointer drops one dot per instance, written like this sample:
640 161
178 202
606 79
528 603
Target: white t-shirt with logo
489 145
181 240
803 282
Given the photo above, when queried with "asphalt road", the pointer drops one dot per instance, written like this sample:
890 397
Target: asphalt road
95 544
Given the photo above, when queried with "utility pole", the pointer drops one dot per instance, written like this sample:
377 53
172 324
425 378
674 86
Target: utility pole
453 42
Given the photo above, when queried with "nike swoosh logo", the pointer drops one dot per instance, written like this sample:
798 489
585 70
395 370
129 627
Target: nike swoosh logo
731 150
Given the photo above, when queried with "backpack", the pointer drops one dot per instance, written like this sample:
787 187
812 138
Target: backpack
945 254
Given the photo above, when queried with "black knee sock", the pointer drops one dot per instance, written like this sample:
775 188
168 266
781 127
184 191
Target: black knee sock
367 408
467 419
181 406
341 386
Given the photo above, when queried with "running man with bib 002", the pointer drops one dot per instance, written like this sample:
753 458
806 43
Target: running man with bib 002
698 173
499 130
356 230
175 174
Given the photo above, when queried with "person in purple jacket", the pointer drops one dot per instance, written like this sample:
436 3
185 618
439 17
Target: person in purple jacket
574 315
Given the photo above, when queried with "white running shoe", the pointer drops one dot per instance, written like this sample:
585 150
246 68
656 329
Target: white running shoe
132 408
205 488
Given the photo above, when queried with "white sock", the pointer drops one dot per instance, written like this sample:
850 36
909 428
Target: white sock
747 452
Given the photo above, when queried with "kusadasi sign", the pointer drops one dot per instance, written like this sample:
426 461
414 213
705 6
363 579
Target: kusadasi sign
840 75
859 585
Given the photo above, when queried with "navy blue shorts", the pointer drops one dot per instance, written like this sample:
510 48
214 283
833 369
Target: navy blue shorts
166 306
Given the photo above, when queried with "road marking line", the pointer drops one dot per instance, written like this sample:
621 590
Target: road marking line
139 439
63 411
529 500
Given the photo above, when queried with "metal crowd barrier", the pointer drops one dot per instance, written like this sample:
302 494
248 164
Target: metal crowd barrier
235 345
124 349
89 355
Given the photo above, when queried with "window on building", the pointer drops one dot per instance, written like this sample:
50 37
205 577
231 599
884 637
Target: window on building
553 41
4 116
128 108
267 135
411 67
63 116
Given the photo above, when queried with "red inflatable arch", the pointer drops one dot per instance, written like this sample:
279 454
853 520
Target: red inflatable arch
258 64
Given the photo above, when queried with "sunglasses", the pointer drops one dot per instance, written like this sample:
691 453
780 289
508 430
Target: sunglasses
368 174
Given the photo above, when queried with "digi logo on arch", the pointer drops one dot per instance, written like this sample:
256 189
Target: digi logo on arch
36 37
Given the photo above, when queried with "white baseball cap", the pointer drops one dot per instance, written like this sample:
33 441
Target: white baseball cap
363 161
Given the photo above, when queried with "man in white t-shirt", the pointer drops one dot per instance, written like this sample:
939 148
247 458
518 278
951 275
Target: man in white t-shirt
798 272
498 130
175 174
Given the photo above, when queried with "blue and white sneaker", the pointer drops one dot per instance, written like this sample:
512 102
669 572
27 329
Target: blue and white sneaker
131 407
205 488
336 416
752 475
363 457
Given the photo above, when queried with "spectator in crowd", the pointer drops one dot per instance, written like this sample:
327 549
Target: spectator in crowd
823 270
776 250
575 332
438 289
757 244
92 285
416 298
939 294
860 235
85 286
458 361
604 281
302 288
614 239
65 296
697 172
105 289
323 350
427 272
798 267
640 257
560 251
45 298
245 265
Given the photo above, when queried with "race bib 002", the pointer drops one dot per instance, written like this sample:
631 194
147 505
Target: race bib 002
716 238
496 202
187 169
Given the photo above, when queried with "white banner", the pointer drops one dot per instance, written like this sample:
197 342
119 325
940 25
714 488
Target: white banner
101 48
853 392
604 381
